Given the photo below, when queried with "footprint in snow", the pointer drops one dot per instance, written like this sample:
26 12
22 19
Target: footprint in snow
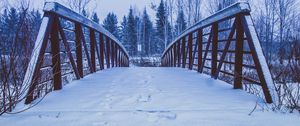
99 123
144 98
156 116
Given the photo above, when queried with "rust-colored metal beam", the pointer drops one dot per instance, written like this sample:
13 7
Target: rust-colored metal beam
183 52
92 49
78 49
200 45
190 50
108 44
55 50
101 45
214 53
239 47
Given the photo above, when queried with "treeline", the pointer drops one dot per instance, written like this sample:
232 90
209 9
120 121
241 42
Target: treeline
140 36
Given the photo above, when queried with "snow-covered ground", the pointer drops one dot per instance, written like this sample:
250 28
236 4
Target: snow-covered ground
148 97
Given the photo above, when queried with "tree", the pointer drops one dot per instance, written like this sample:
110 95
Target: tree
95 18
162 28
147 31
111 24
180 23
78 5
285 13
123 33
132 33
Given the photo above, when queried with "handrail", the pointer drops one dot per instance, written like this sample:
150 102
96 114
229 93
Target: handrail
58 59
67 13
239 7
206 46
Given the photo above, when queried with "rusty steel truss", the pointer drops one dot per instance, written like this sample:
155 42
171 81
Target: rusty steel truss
225 46
67 42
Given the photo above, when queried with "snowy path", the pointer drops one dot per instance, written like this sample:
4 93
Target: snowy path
147 97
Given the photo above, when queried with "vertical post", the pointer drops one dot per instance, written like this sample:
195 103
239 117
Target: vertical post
112 53
108 52
175 55
101 45
190 46
178 54
183 52
93 42
79 49
239 46
116 54
214 52
171 56
55 49
199 41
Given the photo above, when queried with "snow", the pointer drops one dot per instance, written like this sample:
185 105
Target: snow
148 97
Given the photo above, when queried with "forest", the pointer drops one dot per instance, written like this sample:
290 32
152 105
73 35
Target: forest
276 21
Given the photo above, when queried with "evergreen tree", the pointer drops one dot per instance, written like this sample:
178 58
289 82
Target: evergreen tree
111 24
147 31
162 28
123 33
95 18
10 26
132 33
180 23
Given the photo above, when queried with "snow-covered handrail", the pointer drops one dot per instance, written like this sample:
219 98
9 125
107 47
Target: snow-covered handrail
67 13
64 53
206 46
239 7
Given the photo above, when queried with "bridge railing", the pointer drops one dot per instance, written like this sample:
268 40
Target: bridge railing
225 46
68 47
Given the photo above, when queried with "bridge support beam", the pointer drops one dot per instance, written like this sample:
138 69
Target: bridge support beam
108 51
183 47
101 45
190 48
214 52
199 41
78 50
178 53
239 50
55 49
93 47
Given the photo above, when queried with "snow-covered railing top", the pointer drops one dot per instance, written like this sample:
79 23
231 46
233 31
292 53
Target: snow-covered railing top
239 7
67 13
206 46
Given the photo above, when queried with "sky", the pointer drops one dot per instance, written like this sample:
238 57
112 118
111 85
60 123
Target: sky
103 7
119 7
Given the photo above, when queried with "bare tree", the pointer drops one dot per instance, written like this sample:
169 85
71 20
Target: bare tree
78 5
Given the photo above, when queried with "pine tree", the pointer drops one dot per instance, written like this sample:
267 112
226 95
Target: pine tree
111 24
146 30
95 18
132 33
123 33
10 26
162 28
180 23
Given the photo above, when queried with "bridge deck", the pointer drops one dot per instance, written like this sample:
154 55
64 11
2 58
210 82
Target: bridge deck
147 96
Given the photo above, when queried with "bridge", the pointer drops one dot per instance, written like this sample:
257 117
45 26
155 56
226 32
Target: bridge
88 68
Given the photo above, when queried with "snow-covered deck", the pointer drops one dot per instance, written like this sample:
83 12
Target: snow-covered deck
148 97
